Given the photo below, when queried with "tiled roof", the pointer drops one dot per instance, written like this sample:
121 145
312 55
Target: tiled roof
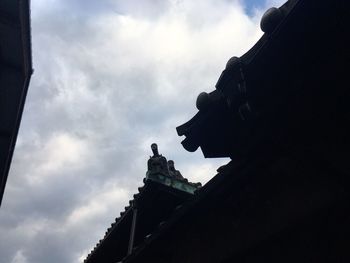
227 115
215 184
156 191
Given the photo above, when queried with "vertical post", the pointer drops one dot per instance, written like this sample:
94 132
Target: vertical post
132 230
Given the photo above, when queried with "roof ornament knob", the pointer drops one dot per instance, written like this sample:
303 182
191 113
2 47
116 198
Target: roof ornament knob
232 61
202 101
271 18
154 148
157 164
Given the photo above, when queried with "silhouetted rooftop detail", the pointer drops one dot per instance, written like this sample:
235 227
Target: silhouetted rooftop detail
173 172
228 117
163 171
281 113
157 164
163 191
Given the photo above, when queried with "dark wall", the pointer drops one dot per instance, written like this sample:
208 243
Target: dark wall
283 211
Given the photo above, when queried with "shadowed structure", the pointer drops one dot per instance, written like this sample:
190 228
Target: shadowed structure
160 197
15 73
281 113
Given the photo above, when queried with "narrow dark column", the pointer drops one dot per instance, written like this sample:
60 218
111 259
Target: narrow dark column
132 230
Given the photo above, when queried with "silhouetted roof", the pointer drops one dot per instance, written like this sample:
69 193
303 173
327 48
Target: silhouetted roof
254 90
15 72
285 94
155 201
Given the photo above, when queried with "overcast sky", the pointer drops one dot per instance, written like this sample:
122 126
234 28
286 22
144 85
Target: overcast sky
110 77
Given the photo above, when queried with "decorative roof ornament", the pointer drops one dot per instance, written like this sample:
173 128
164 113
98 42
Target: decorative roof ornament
148 209
173 172
157 164
270 20
162 171
229 117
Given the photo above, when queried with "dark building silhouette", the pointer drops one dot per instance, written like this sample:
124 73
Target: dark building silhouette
163 193
281 113
15 72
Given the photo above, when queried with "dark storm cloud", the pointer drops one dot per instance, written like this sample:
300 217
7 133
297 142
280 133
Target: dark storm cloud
111 77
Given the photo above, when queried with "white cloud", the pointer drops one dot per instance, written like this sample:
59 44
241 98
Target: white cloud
102 203
19 257
62 150
202 172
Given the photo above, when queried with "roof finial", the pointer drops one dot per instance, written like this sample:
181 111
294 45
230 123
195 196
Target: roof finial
157 164
172 171
154 148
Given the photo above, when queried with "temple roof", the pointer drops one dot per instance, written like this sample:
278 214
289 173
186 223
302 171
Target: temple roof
279 107
159 198
255 92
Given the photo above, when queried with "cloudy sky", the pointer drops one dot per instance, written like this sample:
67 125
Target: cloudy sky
110 77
